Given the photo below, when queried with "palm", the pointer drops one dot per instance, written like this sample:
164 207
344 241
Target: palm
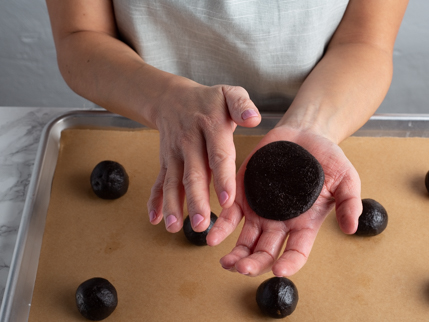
261 240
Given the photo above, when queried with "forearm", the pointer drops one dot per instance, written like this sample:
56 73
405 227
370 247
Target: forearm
109 73
342 92
349 83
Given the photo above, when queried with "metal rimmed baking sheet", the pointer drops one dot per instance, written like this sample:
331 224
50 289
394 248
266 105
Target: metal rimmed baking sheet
19 289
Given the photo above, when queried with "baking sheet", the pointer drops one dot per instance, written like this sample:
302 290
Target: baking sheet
345 281
160 277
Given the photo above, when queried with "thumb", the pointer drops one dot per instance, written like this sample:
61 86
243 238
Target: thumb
241 108
348 202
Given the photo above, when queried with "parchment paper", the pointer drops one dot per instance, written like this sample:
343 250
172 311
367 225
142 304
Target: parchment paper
161 277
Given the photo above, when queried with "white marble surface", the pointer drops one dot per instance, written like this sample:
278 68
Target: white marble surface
20 131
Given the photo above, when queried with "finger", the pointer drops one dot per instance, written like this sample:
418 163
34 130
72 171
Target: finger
221 159
296 253
245 244
154 203
266 251
173 196
226 223
237 253
241 108
348 202
196 181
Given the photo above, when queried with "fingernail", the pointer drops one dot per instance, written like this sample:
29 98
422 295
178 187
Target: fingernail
248 114
223 197
170 220
152 215
196 219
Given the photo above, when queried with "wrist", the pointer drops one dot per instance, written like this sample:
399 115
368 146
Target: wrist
312 119
157 90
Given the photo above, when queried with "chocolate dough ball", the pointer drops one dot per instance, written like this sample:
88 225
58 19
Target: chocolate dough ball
196 238
109 180
277 297
373 219
282 180
96 299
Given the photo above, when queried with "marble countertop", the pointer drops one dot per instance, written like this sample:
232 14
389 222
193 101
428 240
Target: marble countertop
20 131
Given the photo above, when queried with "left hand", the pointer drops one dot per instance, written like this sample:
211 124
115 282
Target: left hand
261 240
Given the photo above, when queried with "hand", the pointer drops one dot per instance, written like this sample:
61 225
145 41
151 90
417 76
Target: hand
196 125
261 240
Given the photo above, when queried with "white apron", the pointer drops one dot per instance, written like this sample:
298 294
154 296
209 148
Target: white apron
267 47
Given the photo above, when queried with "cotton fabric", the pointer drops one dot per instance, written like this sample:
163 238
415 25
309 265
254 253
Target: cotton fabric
267 47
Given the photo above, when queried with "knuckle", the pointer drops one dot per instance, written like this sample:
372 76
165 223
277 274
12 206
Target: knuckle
157 189
218 157
193 177
267 254
154 199
228 222
236 90
152 204
155 192
240 103
187 140
171 183
196 205
208 122
300 253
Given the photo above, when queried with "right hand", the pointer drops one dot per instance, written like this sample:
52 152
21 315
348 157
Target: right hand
196 125
260 244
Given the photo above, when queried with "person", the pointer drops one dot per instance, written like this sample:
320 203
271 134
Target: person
195 70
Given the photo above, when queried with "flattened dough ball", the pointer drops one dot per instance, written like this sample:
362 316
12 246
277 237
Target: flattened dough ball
96 299
373 219
277 297
198 238
282 180
109 180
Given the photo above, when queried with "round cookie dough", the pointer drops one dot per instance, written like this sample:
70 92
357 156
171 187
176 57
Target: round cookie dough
277 297
373 219
197 238
109 180
96 299
282 180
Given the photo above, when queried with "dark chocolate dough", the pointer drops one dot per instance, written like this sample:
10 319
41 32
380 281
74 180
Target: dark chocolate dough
277 297
282 180
96 299
198 238
109 180
373 219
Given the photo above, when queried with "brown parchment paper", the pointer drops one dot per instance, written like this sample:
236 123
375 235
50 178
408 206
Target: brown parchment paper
161 277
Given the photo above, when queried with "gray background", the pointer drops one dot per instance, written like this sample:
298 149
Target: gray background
29 74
